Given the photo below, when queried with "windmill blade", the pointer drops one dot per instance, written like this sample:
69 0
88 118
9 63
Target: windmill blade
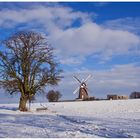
82 80
77 79
76 90
87 78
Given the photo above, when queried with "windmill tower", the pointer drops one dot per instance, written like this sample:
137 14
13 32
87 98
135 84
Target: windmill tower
83 93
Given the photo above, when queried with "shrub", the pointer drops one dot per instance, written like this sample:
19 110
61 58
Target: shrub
53 96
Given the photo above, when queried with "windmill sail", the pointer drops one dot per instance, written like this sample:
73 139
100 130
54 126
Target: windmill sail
87 78
77 79
76 90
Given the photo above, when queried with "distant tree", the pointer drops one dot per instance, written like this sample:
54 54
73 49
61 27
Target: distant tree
53 96
27 65
134 95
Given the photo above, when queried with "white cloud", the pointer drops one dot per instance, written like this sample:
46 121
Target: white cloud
91 38
49 17
130 24
74 44
71 61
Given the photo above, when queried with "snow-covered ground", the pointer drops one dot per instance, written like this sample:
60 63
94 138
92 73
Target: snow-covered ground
115 119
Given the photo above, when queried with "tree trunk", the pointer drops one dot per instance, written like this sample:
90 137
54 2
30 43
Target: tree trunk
22 104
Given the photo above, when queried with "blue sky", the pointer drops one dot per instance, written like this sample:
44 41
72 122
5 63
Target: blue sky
97 38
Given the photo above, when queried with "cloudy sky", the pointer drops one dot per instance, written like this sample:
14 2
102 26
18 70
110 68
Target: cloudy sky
97 38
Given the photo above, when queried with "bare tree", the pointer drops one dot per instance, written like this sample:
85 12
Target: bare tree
27 65
53 96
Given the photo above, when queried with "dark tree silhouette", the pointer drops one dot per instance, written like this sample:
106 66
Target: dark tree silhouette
53 96
27 65
134 95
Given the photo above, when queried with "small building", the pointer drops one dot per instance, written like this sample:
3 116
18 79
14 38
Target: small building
112 97
123 97
135 95
117 97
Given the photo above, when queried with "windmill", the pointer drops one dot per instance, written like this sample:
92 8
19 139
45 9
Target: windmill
83 93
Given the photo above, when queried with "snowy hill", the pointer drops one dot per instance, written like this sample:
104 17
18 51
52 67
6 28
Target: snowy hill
120 118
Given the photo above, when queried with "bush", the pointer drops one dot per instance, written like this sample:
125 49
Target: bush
134 95
53 96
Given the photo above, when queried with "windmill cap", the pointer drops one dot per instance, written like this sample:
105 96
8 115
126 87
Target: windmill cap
83 84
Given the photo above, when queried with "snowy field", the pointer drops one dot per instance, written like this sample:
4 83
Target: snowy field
88 119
